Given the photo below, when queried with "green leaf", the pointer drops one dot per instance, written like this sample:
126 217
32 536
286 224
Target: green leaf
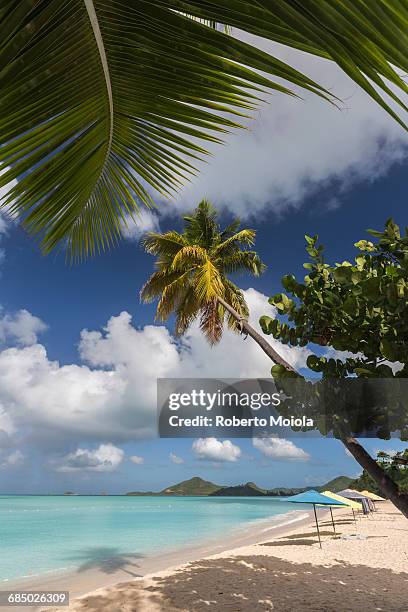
106 106
278 371
315 363
350 305
363 372
266 324
387 350
357 276
365 245
342 274
311 240
289 282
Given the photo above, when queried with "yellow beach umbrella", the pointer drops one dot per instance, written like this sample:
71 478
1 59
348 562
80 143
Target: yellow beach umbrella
372 496
349 502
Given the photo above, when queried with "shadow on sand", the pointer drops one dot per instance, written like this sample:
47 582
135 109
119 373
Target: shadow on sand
260 584
108 560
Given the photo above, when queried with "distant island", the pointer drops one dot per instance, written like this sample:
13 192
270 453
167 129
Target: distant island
197 486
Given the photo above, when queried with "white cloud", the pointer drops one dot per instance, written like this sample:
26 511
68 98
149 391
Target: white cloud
21 327
176 459
11 459
211 449
112 395
280 448
294 147
146 221
106 458
137 460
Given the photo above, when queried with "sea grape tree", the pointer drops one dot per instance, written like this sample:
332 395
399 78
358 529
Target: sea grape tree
356 315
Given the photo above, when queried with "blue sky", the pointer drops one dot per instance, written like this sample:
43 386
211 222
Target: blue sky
76 410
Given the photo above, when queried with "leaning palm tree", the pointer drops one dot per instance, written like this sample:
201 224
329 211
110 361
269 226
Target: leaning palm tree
102 101
192 276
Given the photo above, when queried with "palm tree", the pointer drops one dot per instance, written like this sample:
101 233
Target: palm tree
101 101
192 276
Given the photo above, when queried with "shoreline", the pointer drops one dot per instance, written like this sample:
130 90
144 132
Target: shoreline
364 566
120 569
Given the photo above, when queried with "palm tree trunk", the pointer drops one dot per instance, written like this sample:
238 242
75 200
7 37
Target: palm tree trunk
386 485
260 340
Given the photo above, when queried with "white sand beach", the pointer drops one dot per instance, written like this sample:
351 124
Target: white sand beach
281 569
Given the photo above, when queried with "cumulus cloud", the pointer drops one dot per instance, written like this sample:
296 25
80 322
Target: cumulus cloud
176 459
11 459
294 147
137 460
105 458
111 395
21 327
280 448
211 449
145 221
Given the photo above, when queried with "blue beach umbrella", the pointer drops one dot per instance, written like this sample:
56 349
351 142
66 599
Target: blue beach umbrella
316 499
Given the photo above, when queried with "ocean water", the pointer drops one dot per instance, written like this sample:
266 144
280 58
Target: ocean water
39 534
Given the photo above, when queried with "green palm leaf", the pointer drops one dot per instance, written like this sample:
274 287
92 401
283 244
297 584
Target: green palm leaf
101 101
241 261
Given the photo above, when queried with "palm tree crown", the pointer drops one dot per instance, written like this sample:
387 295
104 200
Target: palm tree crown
192 272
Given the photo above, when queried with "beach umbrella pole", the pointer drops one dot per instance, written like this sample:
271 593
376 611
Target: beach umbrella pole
334 527
317 525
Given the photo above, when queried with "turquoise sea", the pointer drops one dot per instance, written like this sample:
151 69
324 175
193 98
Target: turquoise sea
40 534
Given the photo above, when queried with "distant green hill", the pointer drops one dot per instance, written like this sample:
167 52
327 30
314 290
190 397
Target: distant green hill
337 484
250 489
198 486
193 486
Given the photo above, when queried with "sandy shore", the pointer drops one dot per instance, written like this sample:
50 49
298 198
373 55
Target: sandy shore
284 571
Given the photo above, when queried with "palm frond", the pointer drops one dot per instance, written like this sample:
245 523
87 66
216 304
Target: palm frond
231 229
167 244
368 40
201 226
212 24
171 296
245 237
207 282
189 256
243 261
156 284
100 102
187 311
211 321
235 297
